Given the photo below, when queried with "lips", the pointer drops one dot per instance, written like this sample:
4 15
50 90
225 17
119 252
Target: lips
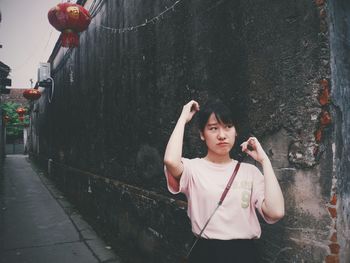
223 144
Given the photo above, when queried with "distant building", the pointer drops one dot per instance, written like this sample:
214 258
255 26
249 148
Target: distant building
16 96
4 81
4 70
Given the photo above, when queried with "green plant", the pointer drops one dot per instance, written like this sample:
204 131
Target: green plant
14 127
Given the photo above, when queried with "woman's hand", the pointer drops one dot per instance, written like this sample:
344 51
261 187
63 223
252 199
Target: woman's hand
253 148
189 110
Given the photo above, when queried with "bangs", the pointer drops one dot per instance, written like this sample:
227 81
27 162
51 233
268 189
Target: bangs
221 111
223 118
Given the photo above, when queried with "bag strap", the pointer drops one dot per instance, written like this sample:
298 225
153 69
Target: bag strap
222 198
228 186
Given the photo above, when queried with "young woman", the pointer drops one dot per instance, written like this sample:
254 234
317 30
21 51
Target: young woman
229 235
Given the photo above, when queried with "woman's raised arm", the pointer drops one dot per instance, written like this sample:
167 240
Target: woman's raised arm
173 151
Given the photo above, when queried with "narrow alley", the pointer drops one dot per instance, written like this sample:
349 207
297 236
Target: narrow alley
38 225
95 113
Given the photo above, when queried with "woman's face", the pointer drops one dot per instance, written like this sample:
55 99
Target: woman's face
218 136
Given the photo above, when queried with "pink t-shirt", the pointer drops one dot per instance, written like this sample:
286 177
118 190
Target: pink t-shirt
203 183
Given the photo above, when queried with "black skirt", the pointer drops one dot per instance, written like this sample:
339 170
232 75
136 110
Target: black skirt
224 251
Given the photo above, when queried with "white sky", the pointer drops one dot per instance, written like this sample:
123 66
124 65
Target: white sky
27 38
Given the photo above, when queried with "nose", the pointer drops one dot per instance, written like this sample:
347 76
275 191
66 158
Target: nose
221 134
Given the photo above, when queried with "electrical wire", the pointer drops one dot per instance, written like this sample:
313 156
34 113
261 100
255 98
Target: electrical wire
145 23
52 89
97 9
63 61
96 6
47 43
37 49
92 7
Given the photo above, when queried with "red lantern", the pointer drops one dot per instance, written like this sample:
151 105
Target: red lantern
70 19
31 94
20 111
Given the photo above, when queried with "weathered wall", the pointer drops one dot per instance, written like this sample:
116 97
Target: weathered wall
2 139
117 98
340 47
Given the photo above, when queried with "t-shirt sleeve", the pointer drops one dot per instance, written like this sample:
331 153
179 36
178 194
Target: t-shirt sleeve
176 186
259 194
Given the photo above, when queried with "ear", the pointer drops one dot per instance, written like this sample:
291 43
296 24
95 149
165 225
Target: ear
202 136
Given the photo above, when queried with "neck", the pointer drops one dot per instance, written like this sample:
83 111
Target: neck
221 159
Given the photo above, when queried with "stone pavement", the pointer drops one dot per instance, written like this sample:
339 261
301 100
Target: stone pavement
37 224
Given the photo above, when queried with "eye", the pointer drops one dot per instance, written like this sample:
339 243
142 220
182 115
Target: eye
228 126
213 128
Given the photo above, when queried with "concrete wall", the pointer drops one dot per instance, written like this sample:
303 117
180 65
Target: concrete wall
117 98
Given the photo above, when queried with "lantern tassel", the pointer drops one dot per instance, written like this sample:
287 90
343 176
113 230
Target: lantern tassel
69 38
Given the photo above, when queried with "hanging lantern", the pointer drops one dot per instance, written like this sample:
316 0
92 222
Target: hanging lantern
31 94
70 19
20 111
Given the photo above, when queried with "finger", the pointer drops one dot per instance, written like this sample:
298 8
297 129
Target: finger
192 102
189 104
248 145
195 106
192 105
250 153
255 140
244 146
252 142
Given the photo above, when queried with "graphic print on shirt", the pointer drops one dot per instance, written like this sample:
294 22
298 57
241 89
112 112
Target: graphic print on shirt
245 187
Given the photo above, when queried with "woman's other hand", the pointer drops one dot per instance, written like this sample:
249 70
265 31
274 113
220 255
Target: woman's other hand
254 149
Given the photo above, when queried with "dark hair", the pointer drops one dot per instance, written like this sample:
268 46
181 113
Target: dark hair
222 113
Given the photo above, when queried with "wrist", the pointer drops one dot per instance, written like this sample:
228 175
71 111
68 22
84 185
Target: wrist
182 120
265 161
